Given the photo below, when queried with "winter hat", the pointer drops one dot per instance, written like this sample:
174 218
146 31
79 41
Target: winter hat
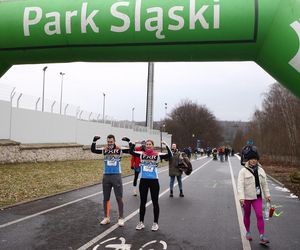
251 154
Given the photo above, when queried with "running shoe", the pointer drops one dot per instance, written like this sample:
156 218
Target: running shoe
154 227
121 222
140 226
105 221
248 236
263 239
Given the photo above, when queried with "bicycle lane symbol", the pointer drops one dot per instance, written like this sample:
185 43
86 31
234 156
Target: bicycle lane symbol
123 246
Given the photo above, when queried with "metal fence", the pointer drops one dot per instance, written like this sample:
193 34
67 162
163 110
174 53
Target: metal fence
25 101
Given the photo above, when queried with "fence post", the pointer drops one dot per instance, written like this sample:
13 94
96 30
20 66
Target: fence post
52 106
37 103
12 94
66 109
80 114
18 101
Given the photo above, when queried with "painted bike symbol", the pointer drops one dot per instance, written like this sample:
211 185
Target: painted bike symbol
124 246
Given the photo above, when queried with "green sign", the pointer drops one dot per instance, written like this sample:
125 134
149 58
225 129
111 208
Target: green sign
40 31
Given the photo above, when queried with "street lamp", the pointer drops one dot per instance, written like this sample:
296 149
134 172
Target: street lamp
166 108
44 78
132 114
103 107
161 137
61 89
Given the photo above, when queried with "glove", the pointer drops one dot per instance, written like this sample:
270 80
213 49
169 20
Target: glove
96 138
126 139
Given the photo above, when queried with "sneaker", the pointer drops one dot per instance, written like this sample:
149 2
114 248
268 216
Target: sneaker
248 236
171 194
263 239
154 227
105 221
121 222
134 192
140 226
181 194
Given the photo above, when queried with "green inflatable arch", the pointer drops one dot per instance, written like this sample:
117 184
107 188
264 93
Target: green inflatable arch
45 31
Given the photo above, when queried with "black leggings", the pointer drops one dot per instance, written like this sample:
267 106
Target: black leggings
145 185
136 176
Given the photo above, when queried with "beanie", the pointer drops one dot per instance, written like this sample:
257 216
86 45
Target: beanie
251 154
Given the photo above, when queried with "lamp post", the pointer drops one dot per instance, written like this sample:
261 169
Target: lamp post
61 89
103 107
44 78
161 137
166 108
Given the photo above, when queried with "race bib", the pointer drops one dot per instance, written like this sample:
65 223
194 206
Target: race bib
112 163
148 168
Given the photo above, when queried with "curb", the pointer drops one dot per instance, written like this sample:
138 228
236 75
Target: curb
275 180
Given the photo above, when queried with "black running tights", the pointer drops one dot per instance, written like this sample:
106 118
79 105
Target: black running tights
145 185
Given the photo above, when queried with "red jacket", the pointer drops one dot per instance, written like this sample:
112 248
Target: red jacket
135 160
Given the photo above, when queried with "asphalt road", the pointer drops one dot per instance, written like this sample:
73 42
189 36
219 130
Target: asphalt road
208 217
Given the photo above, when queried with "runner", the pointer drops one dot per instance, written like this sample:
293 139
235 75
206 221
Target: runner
111 177
149 179
135 165
252 184
174 170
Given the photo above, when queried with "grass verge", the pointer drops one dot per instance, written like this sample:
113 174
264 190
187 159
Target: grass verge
283 174
29 181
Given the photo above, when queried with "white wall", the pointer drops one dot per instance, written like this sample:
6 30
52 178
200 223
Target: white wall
4 119
29 126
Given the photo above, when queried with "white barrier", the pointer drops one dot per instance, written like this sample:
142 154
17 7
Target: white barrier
29 126
4 119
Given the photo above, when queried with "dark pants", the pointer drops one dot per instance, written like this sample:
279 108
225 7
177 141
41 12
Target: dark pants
136 176
145 185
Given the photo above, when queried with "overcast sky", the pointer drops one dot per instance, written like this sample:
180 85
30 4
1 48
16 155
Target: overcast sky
231 90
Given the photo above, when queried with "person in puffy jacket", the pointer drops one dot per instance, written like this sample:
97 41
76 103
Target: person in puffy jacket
252 188
135 164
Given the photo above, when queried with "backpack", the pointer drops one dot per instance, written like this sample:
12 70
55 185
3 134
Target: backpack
185 165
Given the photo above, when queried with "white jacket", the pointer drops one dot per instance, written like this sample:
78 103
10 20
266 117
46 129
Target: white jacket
246 183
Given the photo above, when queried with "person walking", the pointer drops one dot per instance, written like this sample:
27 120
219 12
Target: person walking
111 177
174 170
252 187
149 179
135 165
227 153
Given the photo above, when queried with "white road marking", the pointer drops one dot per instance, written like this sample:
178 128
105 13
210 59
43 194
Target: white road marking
60 206
246 244
114 227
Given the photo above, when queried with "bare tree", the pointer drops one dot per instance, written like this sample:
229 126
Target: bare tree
275 128
189 122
